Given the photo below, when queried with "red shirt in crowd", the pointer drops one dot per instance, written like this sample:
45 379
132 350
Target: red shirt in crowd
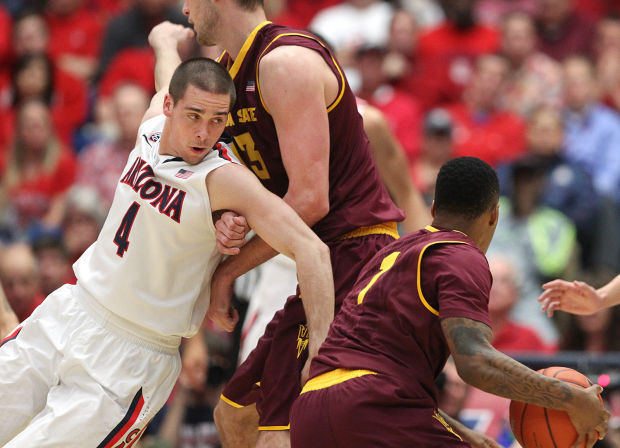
135 65
493 136
447 55
78 34
32 198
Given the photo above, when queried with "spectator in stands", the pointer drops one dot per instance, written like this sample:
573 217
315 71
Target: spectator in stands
607 60
6 24
427 13
19 275
561 30
437 149
296 13
508 336
592 129
448 52
593 333
350 25
542 241
75 37
131 28
401 109
567 186
54 267
30 33
100 164
402 66
493 12
534 78
482 129
82 221
68 97
38 172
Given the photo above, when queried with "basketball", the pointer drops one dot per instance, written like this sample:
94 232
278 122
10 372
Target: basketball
537 427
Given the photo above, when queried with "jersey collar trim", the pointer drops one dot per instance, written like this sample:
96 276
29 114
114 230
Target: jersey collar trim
246 46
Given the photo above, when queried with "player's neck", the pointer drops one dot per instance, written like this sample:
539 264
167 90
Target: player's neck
245 23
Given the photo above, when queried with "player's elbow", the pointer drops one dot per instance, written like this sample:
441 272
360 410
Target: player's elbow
471 368
312 206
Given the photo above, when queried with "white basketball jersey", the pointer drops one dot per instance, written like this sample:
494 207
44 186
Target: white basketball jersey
154 258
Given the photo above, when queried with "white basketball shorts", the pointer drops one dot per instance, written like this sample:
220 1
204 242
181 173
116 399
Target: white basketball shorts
73 376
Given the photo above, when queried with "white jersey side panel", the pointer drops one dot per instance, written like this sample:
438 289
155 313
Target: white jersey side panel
156 253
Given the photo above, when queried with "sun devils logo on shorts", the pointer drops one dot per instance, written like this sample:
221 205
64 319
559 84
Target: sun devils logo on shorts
155 137
302 339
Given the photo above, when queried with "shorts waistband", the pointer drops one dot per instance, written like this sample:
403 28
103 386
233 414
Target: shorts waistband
337 376
125 328
385 228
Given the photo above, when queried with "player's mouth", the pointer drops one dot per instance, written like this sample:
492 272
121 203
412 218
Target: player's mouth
198 148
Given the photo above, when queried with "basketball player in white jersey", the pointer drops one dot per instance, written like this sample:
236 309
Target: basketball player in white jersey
96 361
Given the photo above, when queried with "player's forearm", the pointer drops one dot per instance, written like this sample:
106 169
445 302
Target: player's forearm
166 61
610 293
317 292
254 253
498 374
488 369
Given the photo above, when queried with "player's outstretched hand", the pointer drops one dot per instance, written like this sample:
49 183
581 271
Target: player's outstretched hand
167 35
573 297
589 417
220 311
230 232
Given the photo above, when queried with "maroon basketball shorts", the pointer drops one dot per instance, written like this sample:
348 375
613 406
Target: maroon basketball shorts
275 364
365 412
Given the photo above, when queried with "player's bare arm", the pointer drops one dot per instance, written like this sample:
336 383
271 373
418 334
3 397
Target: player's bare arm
164 38
578 297
392 165
284 230
488 369
8 319
297 87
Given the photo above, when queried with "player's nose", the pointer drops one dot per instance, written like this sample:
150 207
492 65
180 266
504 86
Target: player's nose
185 8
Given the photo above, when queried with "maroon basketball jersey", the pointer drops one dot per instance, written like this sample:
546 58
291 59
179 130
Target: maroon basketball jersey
390 322
357 196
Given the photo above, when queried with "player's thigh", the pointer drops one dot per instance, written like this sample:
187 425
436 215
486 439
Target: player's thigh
243 388
28 356
78 417
83 410
281 379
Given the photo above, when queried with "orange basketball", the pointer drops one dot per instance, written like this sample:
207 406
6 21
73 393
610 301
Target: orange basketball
537 427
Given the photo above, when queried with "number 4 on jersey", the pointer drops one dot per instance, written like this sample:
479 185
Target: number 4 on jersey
121 239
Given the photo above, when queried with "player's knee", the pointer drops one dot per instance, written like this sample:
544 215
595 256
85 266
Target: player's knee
274 439
221 415
228 417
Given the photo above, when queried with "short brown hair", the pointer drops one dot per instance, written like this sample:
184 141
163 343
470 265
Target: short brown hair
203 73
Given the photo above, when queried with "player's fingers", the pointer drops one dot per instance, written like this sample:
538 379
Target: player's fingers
552 307
241 221
581 440
227 250
557 283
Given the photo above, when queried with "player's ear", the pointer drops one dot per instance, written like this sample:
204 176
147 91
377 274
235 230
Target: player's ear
433 209
494 215
168 105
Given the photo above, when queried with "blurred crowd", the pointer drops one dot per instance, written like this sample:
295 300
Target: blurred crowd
530 86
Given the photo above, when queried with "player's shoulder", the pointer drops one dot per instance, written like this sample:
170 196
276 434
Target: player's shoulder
152 127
